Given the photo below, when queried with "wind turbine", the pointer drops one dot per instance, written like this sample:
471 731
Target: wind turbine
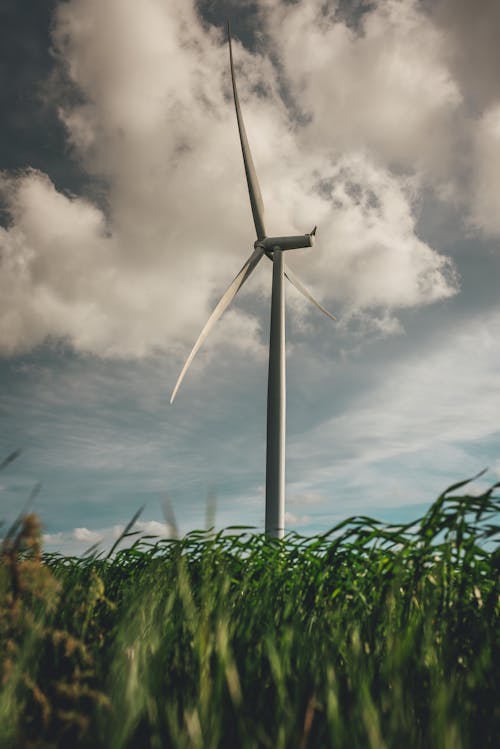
273 248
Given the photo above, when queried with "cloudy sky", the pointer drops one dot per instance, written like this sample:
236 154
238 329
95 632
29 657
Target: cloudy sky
124 215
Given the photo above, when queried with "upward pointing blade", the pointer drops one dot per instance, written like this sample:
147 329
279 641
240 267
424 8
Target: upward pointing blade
252 181
228 296
298 285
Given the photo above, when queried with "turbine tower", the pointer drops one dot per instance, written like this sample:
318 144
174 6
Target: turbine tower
273 248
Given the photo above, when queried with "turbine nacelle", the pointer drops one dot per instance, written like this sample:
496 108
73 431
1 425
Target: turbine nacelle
268 244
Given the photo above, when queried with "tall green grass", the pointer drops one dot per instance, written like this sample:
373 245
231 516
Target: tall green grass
370 635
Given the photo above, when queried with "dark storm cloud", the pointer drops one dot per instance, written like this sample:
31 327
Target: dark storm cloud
31 133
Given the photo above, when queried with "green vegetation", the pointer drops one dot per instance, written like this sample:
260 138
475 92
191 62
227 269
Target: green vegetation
368 636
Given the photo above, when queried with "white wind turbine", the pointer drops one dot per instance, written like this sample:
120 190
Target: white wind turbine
273 248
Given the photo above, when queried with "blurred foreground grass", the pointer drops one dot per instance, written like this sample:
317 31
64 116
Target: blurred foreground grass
368 636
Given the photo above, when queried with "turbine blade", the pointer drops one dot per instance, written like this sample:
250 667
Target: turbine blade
210 509
225 301
169 515
300 287
251 175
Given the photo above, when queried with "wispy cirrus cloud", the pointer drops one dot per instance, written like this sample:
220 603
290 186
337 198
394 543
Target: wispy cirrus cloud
437 409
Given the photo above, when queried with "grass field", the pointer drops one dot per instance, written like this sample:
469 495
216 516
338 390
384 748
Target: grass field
369 636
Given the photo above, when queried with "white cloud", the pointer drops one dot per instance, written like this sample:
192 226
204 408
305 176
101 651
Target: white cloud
53 538
154 528
56 266
367 252
155 122
385 87
84 534
298 498
414 85
291 519
78 540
